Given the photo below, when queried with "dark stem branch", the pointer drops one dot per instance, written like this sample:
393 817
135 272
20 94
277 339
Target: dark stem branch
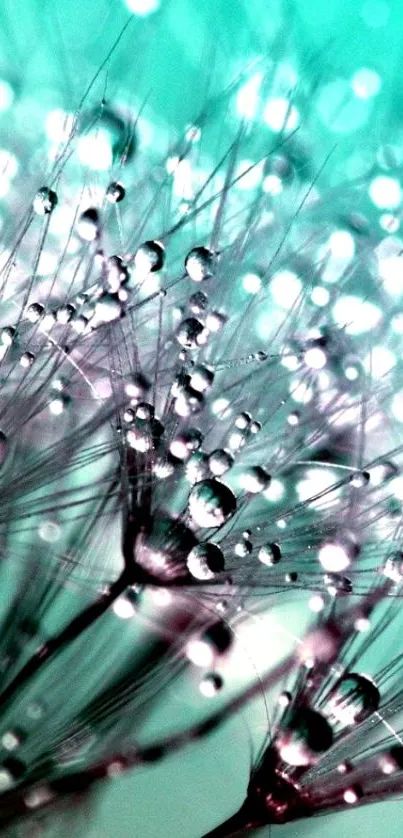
77 626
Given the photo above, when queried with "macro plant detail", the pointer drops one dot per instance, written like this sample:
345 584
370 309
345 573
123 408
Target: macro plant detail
200 421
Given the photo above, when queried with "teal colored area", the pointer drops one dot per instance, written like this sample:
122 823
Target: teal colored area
171 64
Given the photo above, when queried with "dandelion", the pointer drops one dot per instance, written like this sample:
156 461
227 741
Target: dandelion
199 421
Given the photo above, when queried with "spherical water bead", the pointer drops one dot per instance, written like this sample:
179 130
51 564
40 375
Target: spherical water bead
106 137
198 302
255 427
305 736
284 700
243 421
88 225
254 480
138 386
164 548
12 739
211 503
293 418
201 378
115 192
188 402
215 641
220 461
215 321
270 554
393 567
243 548
189 333
205 561
150 257
116 273
27 359
34 312
199 264
197 467
337 555
162 468
65 314
45 201
360 479
184 443
353 700
291 577
211 684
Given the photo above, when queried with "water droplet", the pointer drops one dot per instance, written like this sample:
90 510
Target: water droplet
205 561
199 264
211 503
45 201
115 192
189 333
88 225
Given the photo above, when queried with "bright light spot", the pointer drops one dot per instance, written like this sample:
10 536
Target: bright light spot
94 150
252 283
301 392
315 482
6 95
199 652
315 358
362 624
333 558
350 796
294 754
285 288
49 531
351 373
342 245
281 115
248 174
247 99
379 361
161 597
182 178
275 492
47 263
366 83
123 608
385 192
220 407
59 126
316 603
142 8
355 315
320 296
56 407
272 185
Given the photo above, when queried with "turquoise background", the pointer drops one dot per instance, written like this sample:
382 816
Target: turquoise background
50 51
